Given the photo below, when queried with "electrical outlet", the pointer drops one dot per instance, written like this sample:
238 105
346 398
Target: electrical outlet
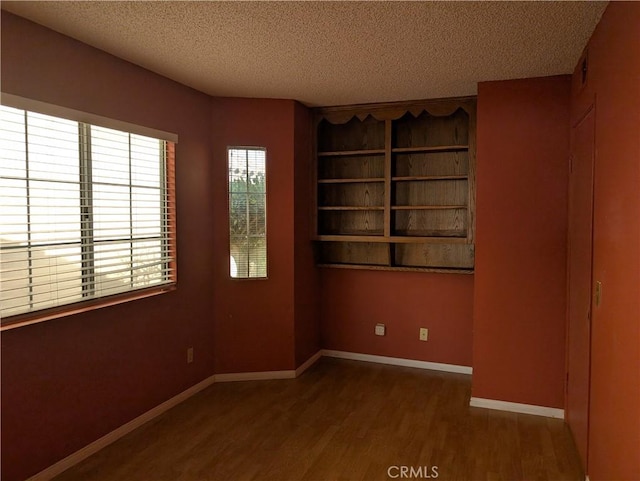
189 355
424 334
380 329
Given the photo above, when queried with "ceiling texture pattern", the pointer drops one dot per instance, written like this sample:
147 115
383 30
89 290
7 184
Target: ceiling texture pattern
330 53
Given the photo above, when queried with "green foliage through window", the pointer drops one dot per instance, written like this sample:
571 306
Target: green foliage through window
247 212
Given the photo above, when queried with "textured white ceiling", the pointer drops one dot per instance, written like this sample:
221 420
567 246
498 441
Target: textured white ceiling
331 53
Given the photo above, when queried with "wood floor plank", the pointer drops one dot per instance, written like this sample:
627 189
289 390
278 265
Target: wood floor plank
341 420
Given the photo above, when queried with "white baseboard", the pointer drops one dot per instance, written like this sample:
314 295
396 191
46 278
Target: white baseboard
308 363
269 375
397 361
255 376
104 441
94 447
517 407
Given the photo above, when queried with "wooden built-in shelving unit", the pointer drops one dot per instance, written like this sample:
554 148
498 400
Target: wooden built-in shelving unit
396 185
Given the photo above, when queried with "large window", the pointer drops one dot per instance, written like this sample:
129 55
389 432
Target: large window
85 212
247 212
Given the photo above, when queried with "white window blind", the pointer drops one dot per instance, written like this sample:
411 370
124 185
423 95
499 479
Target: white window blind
247 212
85 212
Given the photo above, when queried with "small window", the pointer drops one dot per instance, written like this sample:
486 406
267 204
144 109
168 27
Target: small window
86 212
247 212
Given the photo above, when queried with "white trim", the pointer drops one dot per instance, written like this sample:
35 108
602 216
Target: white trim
269 375
308 363
92 448
397 361
83 453
255 376
23 103
104 441
517 407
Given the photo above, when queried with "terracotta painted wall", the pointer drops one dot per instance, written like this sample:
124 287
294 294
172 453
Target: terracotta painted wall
255 318
521 236
307 282
354 301
614 82
69 381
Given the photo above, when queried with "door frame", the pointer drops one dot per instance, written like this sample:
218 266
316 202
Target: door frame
590 110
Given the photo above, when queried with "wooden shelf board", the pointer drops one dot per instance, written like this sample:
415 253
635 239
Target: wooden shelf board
425 153
409 178
432 238
435 148
354 180
427 207
377 267
394 239
350 208
370 237
346 153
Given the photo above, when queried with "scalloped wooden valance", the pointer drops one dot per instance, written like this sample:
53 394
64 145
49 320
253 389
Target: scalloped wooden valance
395 110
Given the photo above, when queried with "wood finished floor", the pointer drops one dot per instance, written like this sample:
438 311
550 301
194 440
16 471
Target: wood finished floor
341 420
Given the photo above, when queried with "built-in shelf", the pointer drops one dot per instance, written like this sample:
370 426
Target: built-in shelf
431 236
400 238
411 178
356 236
395 186
437 148
427 207
373 267
346 153
354 180
349 207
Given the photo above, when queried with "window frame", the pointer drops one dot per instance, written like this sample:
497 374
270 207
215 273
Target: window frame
169 214
247 278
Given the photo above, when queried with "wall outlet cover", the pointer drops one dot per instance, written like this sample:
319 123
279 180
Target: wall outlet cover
424 334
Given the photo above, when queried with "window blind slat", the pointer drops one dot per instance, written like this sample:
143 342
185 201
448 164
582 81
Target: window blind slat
247 212
85 212
59 277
